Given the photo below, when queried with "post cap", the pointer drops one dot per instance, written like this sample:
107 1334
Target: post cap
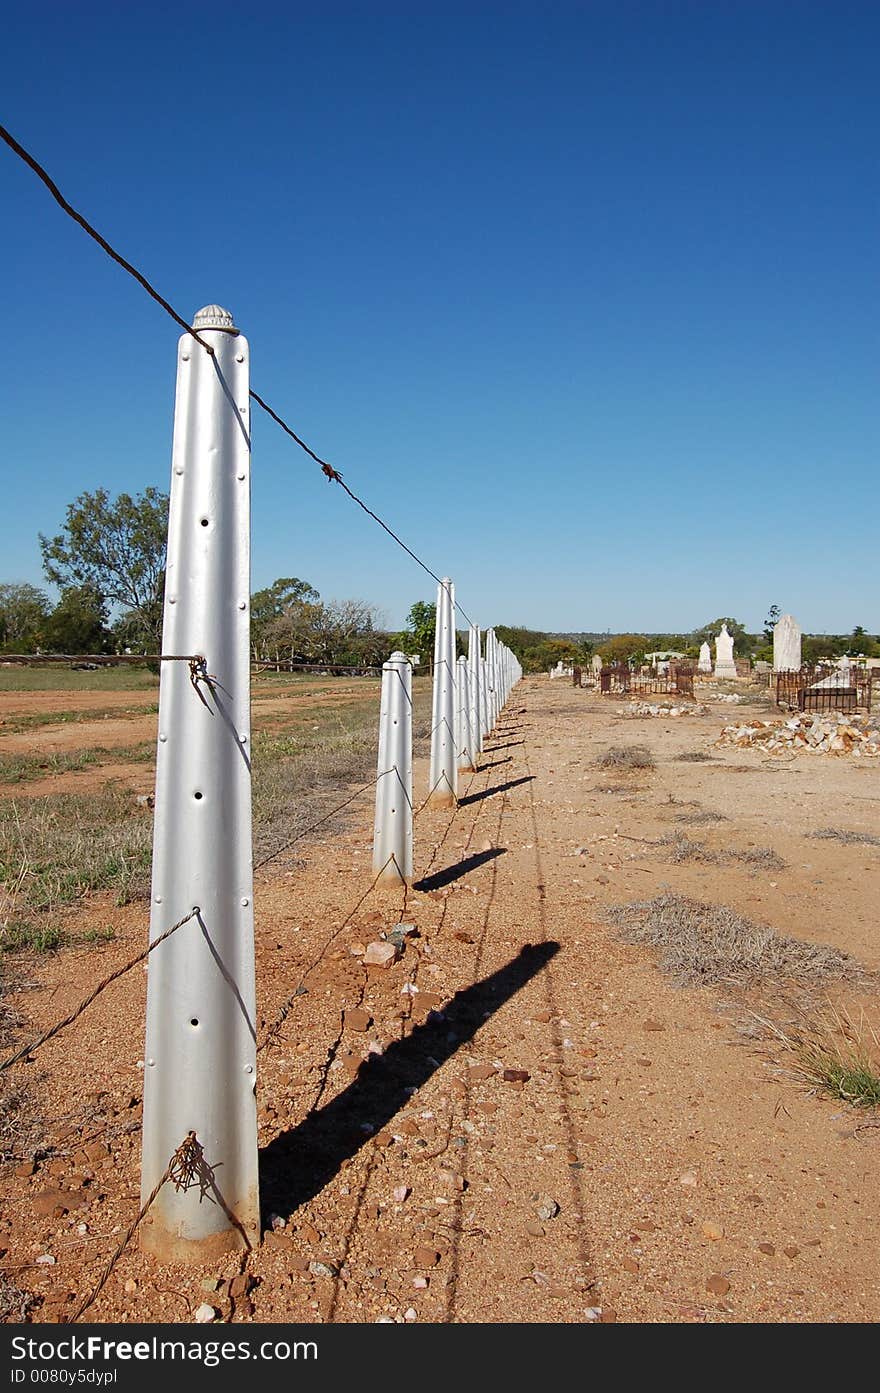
214 317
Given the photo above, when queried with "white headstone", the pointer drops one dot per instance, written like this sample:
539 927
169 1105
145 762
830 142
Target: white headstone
597 662
724 664
705 663
786 644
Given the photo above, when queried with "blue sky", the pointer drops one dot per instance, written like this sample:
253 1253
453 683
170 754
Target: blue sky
581 297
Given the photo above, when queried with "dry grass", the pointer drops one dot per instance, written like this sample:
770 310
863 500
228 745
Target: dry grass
701 819
836 1055
840 834
682 849
14 1302
694 757
623 757
706 944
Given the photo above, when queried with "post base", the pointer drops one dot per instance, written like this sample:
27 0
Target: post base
168 1246
442 798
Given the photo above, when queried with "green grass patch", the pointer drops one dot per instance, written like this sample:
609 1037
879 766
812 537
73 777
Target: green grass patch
835 1054
56 678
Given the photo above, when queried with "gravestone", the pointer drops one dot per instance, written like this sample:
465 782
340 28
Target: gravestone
705 663
597 662
724 664
786 644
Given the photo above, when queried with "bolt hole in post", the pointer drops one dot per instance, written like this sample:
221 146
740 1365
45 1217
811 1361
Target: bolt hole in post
198 797
204 522
194 1020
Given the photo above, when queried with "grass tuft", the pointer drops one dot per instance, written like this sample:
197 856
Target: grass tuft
682 849
705 944
836 1055
840 834
622 757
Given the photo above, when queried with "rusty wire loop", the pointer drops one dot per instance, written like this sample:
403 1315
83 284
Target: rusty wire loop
120 971
183 1170
333 475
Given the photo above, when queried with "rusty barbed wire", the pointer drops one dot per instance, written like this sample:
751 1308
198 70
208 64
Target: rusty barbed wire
102 985
332 475
183 1171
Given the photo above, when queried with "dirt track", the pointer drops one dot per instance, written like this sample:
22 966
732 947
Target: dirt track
674 1148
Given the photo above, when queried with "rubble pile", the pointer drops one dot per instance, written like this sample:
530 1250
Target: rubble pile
830 732
644 708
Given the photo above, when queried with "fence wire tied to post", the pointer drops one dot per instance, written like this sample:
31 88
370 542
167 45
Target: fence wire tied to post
183 1171
333 475
102 985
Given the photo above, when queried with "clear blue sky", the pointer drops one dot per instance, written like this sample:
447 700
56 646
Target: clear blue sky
582 297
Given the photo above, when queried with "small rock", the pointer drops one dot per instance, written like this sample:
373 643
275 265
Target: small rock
46 1260
718 1285
535 1229
712 1230
323 1269
768 1249
607 1316
630 1265
381 954
357 1019
478 1072
204 1314
425 1256
547 1208
420 1283
515 1075
131 1286
410 1313
653 1025
688 1180
400 1193
25 1169
791 1251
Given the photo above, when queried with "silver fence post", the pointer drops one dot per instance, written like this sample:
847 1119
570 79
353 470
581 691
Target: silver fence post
467 761
393 827
475 675
443 785
200 1056
492 679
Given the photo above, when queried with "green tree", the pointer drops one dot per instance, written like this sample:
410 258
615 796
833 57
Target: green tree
770 622
117 548
624 648
78 623
270 605
418 635
742 641
23 612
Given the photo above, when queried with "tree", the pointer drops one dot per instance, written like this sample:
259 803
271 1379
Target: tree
770 622
117 548
78 622
742 641
23 612
419 633
270 605
624 648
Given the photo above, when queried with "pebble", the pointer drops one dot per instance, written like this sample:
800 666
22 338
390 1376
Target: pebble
791 1251
381 954
323 1269
515 1075
478 1072
547 1208
768 1249
688 1179
425 1256
204 1314
653 1025
357 1019
718 1285
712 1230
535 1229
400 1193
131 1286
46 1260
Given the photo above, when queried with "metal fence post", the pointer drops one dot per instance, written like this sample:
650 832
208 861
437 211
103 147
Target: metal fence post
200 1056
443 785
475 675
467 760
393 828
